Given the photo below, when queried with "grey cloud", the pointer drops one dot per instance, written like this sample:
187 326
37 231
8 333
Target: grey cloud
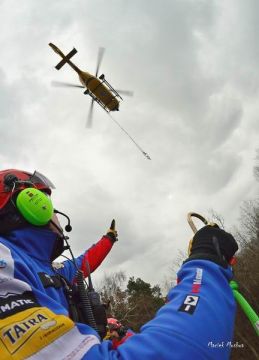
194 74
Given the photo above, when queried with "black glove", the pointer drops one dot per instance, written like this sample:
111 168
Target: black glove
112 233
214 244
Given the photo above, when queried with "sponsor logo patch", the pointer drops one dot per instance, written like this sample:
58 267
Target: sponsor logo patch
189 304
29 331
15 303
196 285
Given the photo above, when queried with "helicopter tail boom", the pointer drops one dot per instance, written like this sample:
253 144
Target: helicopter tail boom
65 58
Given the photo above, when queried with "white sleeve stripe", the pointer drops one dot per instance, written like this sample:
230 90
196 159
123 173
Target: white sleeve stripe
71 346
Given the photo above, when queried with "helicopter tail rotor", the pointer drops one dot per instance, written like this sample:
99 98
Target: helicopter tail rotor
65 58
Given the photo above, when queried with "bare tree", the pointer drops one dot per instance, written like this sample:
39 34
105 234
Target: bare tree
114 295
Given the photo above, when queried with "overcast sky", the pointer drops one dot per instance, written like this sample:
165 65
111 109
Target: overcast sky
193 67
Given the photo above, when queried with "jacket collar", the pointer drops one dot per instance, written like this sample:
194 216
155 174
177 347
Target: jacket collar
39 243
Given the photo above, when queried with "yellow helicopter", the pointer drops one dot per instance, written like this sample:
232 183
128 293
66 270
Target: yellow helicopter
97 87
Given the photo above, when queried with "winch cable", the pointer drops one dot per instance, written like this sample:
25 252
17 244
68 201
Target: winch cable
131 138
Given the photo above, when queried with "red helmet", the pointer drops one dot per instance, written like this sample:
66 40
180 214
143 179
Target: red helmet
12 180
113 323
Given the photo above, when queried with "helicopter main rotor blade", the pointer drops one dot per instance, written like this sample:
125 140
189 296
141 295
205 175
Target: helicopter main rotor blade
65 84
125 92
99 59
90 115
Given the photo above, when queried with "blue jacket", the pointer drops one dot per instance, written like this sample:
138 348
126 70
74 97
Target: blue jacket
197 322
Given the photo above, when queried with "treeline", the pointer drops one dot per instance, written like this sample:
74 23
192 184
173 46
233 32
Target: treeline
134 304
246 273
138 301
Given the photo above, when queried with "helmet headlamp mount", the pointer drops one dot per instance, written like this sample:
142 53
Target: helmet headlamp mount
9 181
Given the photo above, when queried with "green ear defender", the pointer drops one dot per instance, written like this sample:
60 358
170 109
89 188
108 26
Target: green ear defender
35 206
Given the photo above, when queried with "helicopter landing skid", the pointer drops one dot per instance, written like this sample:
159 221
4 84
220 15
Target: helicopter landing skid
88 92
116 94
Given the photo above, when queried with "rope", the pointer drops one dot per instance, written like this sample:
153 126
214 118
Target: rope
131 138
